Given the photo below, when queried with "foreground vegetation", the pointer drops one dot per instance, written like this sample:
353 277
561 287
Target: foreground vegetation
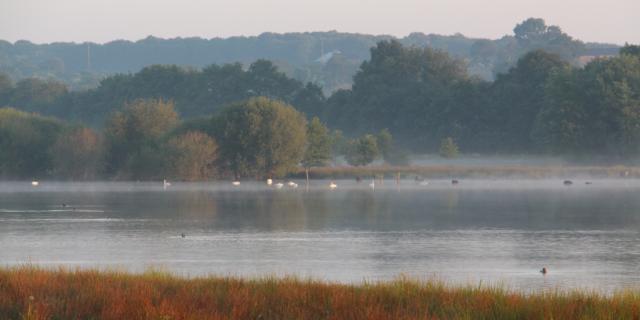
32 293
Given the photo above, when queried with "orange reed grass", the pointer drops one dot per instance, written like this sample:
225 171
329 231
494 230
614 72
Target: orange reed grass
33 293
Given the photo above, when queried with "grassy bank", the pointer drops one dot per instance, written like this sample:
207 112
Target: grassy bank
470 171
32 293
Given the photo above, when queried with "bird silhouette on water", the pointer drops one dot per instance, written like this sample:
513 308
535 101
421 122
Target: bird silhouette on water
544 270
183 235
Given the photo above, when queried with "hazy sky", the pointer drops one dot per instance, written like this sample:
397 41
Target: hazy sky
615 21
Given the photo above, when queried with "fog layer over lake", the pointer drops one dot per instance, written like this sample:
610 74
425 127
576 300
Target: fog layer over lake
494 231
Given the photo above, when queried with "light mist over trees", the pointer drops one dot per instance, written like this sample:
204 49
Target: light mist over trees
223 121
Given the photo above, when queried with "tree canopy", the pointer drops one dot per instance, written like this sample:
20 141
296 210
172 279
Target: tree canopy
133 137
318 149
595 110
191 156
400 88
362 151
260 137
194 92
518 96
25 140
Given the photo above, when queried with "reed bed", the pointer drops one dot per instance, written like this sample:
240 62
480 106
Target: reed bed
29 292
470 171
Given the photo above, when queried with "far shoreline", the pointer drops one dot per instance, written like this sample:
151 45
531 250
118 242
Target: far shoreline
471 171
414 172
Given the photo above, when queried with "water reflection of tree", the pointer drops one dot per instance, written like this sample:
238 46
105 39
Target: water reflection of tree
453 199
200 205
264 210
285 211
364 204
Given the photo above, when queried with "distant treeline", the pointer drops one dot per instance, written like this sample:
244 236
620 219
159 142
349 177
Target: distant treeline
423 98
329 59
195 92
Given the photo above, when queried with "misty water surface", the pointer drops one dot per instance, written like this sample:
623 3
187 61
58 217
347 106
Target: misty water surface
494 231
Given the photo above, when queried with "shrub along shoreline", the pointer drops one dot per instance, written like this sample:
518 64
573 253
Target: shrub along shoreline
28 292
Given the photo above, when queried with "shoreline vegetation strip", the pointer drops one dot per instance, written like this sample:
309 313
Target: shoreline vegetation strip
473 171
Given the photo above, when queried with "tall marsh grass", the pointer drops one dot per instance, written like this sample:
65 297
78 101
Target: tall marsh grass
472 171
32 293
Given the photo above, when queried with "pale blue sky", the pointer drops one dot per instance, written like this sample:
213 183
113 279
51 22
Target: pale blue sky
41 21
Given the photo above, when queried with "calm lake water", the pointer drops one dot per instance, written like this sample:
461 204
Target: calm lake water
494 231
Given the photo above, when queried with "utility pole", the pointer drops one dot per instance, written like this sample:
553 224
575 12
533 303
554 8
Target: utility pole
88 56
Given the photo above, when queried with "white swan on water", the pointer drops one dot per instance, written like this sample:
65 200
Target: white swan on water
332 185
236 183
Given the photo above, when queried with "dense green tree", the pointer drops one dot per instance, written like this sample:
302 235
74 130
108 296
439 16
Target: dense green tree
594 110
338 143
260 137
384 140
448 148
148 162
310 100
133 136
404 89
391 154
362 151
530 29
518 97
37 95
6 87
265 80
191 156
534 34
318 149
195 93
25 140
630 50
559 126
